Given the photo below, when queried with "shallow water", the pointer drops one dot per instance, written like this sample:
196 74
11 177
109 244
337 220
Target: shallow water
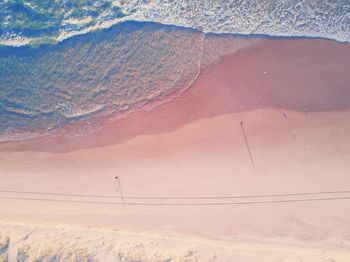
107 72
97 74
103 73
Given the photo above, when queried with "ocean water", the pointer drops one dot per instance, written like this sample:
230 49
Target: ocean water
93 75
66 61
36 21
104 73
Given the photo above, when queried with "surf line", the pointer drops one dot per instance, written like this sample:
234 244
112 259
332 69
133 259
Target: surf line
247 146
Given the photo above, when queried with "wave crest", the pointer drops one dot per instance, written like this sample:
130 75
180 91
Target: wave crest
54 21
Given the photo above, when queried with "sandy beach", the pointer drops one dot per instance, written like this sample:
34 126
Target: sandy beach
293 99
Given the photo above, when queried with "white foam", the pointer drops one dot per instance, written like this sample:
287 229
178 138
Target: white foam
277 18
298 18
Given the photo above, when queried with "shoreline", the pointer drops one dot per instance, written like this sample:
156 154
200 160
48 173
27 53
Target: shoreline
99 122
265 91
30 42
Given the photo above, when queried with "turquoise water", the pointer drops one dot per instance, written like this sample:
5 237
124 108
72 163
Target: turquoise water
44 21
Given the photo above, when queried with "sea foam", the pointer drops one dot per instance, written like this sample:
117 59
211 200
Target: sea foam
23 24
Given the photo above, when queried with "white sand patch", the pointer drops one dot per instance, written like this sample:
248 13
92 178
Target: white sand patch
33 242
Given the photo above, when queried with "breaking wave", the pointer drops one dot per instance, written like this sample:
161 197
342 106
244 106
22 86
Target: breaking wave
33 22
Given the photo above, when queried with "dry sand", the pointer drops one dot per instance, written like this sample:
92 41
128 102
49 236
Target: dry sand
293 98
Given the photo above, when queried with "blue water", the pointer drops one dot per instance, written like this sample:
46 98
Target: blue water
79 60
96 74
